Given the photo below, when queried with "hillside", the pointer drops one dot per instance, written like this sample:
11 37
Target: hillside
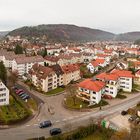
62 33
3 33
130 36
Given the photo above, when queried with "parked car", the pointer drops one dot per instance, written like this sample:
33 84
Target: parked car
137 120
45 124
23 95
132 118
55 131
26 97
124 112
18 91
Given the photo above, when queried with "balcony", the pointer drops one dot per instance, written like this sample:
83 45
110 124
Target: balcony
83 98
84 94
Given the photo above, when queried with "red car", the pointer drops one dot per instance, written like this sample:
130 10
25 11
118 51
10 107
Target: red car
18 91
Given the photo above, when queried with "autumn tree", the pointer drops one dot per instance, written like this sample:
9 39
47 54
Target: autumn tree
71 91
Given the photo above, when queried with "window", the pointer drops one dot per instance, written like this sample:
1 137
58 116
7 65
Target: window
111 87
94 92
111 92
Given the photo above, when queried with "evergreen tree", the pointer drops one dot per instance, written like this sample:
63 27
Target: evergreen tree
3 73
18 49
44 52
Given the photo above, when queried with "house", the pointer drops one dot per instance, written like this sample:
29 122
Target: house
125 79
71 73
122 65
111 82
4 94
90 91
137 65
44 78
137 76
93 66
22 65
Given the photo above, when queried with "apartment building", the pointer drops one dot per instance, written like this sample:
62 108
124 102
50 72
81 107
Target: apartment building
71 73
111 82
44 78
4 94
125 79
22 65
91 91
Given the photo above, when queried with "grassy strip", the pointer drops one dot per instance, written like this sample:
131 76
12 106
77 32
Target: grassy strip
121 96
70 104
14 112
55 91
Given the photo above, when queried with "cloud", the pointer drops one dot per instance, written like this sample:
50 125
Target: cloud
112 15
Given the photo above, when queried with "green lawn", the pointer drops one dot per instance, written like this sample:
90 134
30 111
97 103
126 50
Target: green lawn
13 112
55 91
70 103
95 136
121 96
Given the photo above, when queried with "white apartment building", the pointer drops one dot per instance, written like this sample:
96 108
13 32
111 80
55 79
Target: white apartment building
111 82
125 79
91 91
22 65
4 94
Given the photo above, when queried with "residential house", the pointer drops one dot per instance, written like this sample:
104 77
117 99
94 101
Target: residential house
91 91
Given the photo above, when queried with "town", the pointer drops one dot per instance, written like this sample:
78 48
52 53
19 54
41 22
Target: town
80 76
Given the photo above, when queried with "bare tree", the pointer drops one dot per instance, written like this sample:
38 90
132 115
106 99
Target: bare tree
71 91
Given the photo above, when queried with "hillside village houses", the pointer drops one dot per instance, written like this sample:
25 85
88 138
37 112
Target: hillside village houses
105 84
4 94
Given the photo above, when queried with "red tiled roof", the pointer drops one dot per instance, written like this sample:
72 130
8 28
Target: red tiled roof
102 55
70 68
94 63
138 72
92 85
100 61
107 76
123 73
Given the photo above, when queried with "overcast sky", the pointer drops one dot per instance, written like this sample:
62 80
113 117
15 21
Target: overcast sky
110 15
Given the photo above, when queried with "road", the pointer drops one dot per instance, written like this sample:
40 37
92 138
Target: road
66 121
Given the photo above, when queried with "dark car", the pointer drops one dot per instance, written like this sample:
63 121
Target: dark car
124 112
55 131
25 97
20 94
132 118
45 124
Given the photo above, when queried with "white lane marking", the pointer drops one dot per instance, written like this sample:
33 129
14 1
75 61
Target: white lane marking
35 124
64 119
28 125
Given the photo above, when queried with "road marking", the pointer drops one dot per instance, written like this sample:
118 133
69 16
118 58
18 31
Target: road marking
28 125
35 124
64 119
57 121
